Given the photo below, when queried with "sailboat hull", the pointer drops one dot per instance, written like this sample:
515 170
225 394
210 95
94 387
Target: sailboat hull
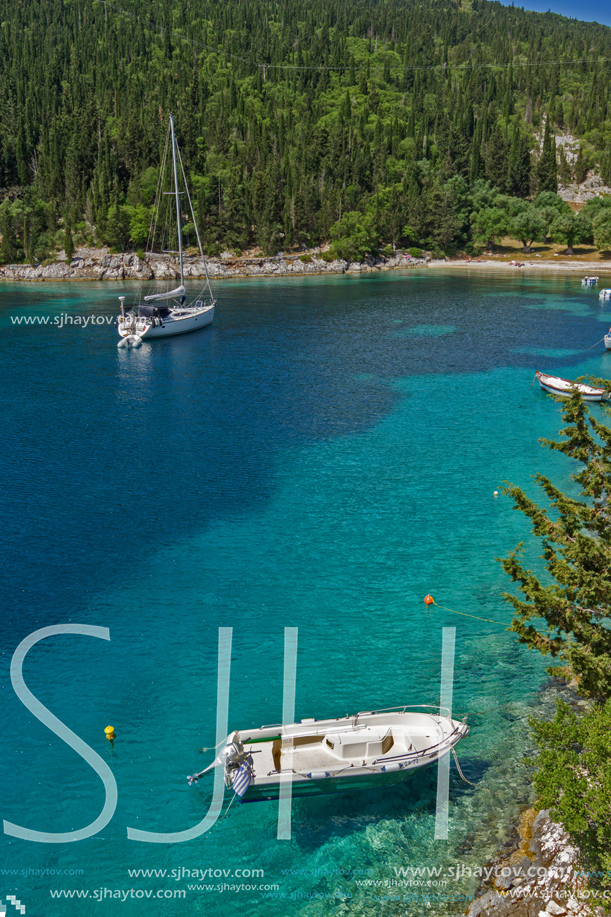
179 321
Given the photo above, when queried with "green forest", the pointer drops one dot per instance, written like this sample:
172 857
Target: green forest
372 125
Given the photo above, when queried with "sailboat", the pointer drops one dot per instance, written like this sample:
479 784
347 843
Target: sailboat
168 313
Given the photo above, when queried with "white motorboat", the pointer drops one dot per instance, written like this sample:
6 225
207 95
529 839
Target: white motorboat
589 281
365 750
567 387
605 294
168 313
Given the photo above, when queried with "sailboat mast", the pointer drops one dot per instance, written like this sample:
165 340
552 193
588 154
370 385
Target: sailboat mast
182 277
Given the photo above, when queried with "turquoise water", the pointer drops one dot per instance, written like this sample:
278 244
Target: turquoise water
322 457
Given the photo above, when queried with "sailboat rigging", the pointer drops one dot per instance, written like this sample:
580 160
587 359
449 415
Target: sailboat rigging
168 313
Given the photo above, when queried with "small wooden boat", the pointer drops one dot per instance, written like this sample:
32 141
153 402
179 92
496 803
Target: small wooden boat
369 749
567 387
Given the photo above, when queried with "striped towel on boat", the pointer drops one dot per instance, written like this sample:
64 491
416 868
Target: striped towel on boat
242 778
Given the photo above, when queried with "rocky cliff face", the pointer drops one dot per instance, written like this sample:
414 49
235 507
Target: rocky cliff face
99 264
541 879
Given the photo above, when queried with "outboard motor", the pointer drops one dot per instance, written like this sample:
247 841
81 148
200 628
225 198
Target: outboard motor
232 755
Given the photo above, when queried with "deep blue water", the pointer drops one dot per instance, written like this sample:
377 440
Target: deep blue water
322 457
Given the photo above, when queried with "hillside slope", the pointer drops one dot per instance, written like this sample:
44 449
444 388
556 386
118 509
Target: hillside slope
290 115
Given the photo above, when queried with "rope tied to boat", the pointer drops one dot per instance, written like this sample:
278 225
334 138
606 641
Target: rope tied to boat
233 798
459 768
222 742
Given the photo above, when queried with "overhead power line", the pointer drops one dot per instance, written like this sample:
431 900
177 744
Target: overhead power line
445 67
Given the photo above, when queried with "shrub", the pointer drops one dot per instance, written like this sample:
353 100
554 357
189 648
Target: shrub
44 246
415 252
573 780
354 236
307 259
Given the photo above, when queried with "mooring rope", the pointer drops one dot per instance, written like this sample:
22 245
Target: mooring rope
228 807
429 600
459 769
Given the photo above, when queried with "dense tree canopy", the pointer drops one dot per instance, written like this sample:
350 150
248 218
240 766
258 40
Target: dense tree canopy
289 114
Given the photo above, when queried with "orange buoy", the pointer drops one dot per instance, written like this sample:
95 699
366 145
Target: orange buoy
429 600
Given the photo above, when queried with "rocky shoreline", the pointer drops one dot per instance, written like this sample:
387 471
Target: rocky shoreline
100 264
541 878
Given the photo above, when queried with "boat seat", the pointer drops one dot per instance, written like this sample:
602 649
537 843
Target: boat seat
276 753
367 743
306 740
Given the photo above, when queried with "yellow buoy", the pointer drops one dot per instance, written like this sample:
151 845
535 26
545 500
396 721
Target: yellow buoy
110 733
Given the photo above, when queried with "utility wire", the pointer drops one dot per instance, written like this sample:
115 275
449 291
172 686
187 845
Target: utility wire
460 68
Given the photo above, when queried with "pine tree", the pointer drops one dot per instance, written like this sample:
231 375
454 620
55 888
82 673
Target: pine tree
21 154
476 165
519 164
547 167
568 618
581 169
497 165
8 246
68 241
575 536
